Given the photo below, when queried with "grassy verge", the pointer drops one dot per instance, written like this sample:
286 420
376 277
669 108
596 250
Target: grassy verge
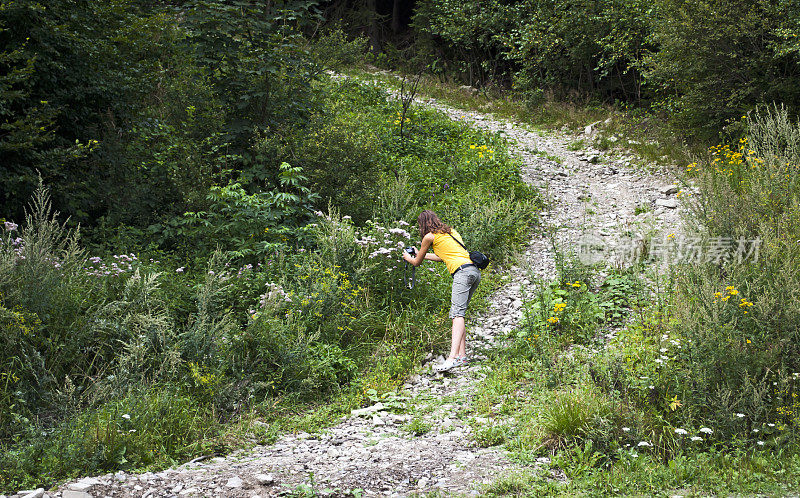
597 414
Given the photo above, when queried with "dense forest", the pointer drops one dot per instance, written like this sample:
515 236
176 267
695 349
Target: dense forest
201 215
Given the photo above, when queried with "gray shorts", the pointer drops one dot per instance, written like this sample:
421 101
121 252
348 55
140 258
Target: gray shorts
465 281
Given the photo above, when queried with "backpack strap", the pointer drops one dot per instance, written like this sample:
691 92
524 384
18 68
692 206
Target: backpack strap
459 243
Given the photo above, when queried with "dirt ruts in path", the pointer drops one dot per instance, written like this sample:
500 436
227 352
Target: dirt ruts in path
373 449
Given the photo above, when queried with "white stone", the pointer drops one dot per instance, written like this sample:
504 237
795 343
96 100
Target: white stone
234 482
36 493
264 479
368 410
84 484
69 493
667 203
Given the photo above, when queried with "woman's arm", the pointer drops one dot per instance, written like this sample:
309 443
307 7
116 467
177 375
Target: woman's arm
427 242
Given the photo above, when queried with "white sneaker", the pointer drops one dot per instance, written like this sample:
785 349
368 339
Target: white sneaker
461 360
446 365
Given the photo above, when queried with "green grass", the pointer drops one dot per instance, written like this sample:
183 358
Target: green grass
418 426
546 416
584 412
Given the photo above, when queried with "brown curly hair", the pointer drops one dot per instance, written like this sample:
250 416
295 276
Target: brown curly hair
429 222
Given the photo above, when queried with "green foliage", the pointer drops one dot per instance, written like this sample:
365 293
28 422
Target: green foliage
702 64
341 149
490 435
586 46
573 414
736 320
133 110
618 293
469 34
246 226
319 309
561 314
634 474
418 426
515 484
490 223
334 50
162 427
740 57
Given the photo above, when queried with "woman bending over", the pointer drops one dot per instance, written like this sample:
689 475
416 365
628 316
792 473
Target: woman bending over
448 247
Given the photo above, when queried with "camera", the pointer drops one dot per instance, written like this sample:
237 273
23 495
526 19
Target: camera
411 251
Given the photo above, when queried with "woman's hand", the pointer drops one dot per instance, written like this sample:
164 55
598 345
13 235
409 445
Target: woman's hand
427 242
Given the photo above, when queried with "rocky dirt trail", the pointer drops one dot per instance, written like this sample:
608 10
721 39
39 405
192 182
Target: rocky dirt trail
420 440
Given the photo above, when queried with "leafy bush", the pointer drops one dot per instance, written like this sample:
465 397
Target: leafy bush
740 57
491 223
247 297
246 226
561 314
132 111
418 426
715 360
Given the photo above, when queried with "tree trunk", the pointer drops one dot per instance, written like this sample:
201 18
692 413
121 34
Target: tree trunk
396 17
374 35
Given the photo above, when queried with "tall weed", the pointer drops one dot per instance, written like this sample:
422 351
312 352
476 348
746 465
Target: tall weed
741 316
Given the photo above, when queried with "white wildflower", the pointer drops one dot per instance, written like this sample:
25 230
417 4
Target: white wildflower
706 430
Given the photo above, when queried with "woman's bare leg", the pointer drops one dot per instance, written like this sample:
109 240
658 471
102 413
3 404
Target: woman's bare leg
458 342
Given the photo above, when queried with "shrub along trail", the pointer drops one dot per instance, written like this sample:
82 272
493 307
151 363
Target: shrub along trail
426 438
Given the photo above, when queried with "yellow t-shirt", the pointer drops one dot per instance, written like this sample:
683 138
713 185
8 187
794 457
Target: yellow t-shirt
450 251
